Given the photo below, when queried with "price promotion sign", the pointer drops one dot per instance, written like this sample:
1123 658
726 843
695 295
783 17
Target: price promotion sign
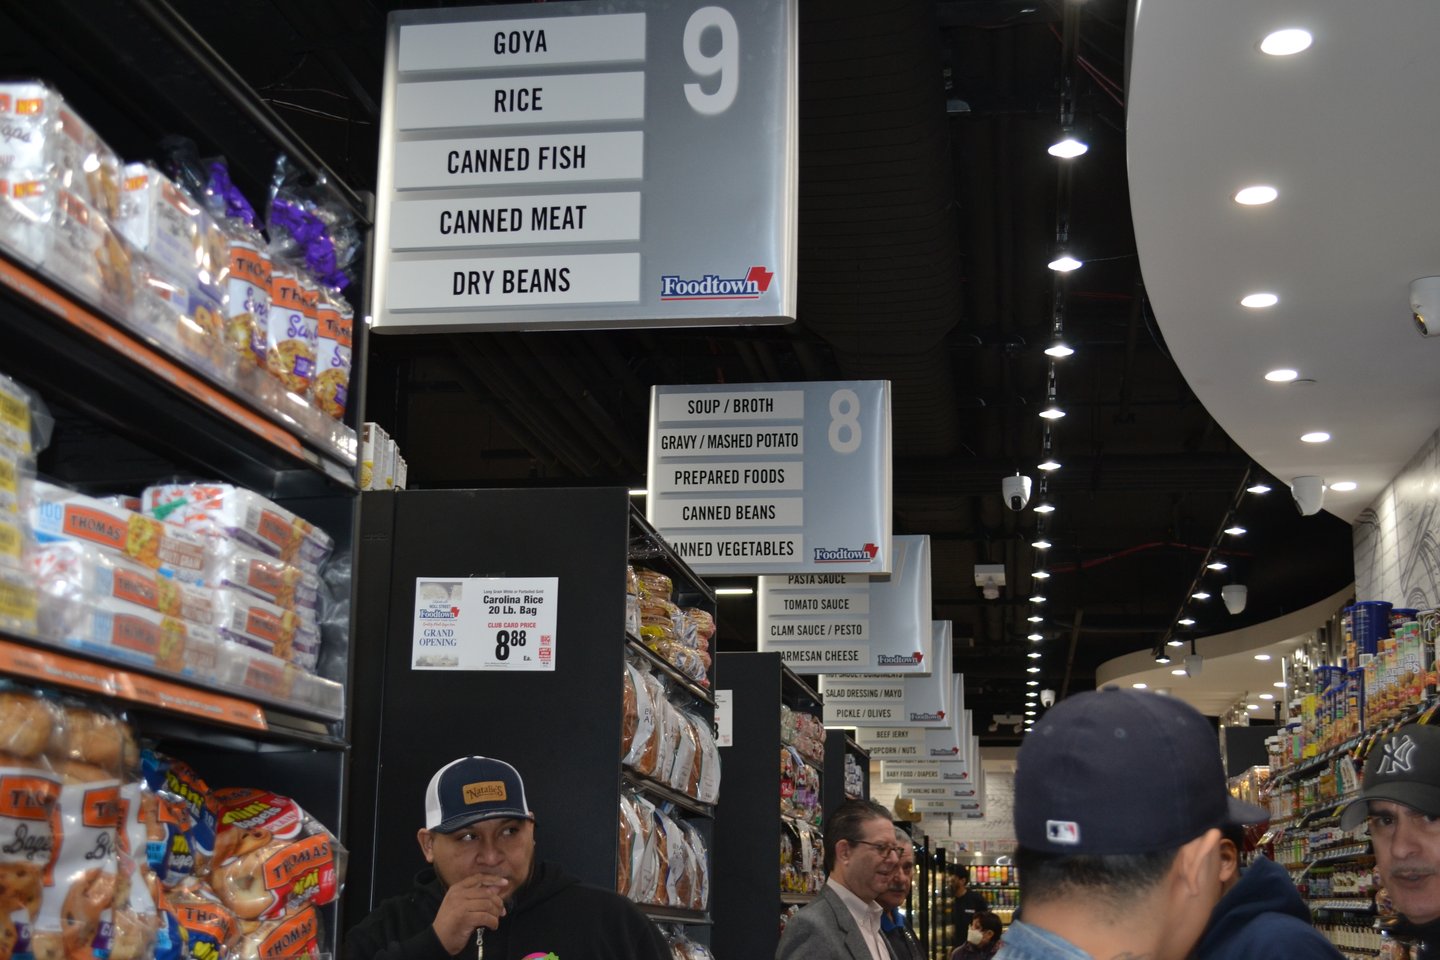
485 623
573 165
771 478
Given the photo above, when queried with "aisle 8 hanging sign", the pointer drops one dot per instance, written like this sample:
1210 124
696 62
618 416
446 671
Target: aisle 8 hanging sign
569 165
484 623
773 478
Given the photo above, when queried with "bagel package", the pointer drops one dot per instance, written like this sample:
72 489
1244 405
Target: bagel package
196 926
294 935
271 857
192 844
29 792
136 917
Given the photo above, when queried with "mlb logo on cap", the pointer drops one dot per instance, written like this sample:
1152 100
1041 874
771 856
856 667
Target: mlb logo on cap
472 789
1063 831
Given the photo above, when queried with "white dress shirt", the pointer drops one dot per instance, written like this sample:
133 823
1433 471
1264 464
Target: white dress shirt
867 918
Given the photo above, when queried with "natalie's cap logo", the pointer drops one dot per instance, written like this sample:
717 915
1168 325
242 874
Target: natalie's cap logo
486 791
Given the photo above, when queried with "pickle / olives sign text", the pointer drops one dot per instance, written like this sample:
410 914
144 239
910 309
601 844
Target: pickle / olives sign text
551 166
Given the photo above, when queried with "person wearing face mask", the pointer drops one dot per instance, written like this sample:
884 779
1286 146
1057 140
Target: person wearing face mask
892 922
982 938
485 893
1400 802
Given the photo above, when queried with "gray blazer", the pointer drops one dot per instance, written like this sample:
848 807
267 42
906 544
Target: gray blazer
823 930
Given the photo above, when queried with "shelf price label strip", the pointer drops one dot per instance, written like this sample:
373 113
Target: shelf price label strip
102 332
93 678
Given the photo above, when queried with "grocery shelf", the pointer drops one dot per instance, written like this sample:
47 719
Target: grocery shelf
1324 811
674 914
174 702
1346 904
647 546
798 898
636 646
665 792
134 389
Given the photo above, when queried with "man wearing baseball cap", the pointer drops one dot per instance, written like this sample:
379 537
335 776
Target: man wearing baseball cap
484 892
1400 800
1119 802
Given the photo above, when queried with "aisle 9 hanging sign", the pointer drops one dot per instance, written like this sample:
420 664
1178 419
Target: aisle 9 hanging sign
567 165
773 478
503 624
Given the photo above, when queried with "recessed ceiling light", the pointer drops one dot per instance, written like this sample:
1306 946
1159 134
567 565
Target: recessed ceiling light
1282 375
1267 696
1279 683
1186 621
1202 595
1287 42
1032 669
1044 508
1032 693
641 492
1059 350
734 591
1037 599
1029 713
1140 686
1035 618
1064 264
1256 195
1040 574
1042 544
1175 643
1033 654
1162 658
1257 301
1315 436
1258 488
1029 722
1036 637
1032 683
1068 149
1052 413
1252 706
1235 531
1178 672
1343 486
1048 465
1262 656
1217 565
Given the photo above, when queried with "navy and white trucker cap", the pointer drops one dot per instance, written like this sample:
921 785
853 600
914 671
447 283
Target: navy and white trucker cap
471 789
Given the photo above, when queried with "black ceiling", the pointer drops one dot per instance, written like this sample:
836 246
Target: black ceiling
928 210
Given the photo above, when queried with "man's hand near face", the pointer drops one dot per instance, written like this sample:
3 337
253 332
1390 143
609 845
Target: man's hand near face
475 902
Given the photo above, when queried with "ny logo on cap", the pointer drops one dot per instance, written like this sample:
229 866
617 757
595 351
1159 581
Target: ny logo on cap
1397 756
1062 831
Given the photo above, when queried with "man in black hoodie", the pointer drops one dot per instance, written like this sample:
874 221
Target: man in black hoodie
485 892
1261 915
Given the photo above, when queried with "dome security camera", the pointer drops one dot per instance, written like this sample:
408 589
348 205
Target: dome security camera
1234 595
1425 305
1309 494
1016 491
1047 698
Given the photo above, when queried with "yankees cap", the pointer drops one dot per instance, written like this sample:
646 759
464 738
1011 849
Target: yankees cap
1404 767
1122 772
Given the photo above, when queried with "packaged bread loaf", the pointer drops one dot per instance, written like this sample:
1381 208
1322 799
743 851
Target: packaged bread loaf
290 340
629 709
700 858
246 619
630 839
86 255
28 181
643 755
247 304
654 584
682 773
335 321
264 576
679 872
58 514
646 879
222 510
78 572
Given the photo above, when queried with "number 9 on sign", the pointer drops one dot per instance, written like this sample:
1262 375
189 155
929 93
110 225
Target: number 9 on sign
725 61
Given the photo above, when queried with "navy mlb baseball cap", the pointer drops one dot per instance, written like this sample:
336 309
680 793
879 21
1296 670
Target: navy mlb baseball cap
471 789
1405 768
1122 772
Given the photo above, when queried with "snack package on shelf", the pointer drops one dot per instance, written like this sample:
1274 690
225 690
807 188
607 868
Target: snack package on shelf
85 254
335 323
372 456
290 336
184 319
222 510
57 514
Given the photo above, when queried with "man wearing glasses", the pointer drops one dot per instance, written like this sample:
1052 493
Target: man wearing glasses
861 857
1401 803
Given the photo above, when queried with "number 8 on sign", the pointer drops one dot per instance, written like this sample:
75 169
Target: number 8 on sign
844 421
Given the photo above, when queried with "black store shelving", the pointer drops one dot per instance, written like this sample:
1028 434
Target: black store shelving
839 745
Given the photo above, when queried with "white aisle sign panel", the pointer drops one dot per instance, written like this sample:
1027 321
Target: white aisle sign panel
773 478
810 621
485 623
928 698
514 191
926 771
862 700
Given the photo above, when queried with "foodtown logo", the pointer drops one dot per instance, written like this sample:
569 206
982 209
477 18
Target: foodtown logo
899 660
452 614
865 554
712 286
